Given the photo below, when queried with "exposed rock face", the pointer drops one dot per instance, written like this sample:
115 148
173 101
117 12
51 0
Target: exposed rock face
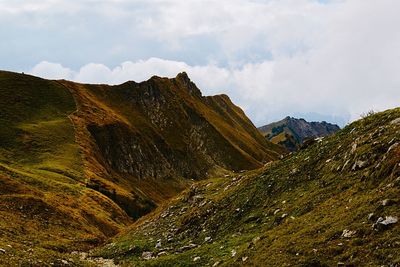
291 132
154 136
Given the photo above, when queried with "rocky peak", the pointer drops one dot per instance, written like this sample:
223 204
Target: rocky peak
162 131
292 132
185 81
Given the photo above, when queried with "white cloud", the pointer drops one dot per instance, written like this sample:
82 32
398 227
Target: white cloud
273 57
52 71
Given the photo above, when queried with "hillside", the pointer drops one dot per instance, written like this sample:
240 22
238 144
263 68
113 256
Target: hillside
291 132
335 203
80 162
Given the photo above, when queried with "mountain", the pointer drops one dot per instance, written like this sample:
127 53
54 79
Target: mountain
80 162
334 203
291 132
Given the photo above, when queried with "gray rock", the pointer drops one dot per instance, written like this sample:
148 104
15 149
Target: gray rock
208 239
358 165
196 258
147 255
386 202
389 220
353 148
197 199
395 121
187 247
382 224
392 147
348 233
162 253
233 253
158 244
165 214
397 182
371 216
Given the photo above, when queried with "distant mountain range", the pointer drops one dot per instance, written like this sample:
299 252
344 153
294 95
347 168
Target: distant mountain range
291 132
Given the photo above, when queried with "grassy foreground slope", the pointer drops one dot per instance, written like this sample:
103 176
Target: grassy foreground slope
317 207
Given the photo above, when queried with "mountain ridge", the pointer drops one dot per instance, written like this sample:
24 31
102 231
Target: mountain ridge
292 132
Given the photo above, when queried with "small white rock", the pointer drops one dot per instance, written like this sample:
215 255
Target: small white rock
348 233
147 255
233 253
395 121
158 244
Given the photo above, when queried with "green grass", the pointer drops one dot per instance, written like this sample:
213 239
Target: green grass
45 208
292 213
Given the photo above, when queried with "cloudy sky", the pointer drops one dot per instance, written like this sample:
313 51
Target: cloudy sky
320 59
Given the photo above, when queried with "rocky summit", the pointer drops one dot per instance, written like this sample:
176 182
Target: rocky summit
292 133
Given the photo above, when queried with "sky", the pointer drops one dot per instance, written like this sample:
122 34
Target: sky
327 60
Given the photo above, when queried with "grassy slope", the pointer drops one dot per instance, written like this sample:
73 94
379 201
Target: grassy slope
291 213
45 207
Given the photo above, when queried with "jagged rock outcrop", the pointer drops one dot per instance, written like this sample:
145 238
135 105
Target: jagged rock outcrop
164 129
291 132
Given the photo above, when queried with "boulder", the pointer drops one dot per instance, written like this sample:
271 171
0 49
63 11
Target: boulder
383 224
